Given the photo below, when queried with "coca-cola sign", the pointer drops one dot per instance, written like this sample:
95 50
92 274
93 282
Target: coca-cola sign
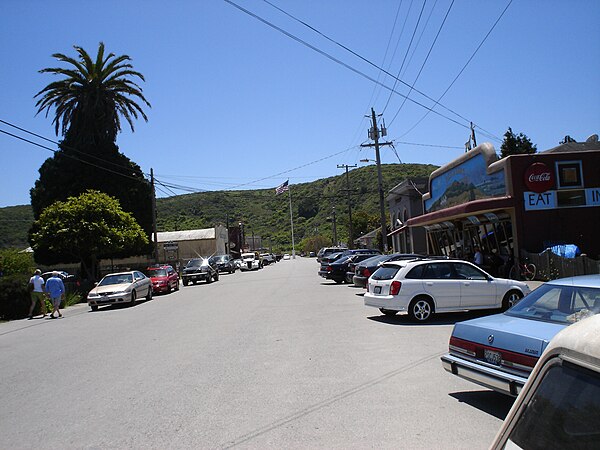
539 178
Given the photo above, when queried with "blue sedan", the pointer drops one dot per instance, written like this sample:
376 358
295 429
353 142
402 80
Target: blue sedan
500 351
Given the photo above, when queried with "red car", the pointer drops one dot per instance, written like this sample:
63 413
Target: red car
164 278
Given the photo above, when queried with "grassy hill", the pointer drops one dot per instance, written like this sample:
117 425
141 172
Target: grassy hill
261 211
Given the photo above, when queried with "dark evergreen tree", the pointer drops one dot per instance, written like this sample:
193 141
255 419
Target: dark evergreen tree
516 145
89 103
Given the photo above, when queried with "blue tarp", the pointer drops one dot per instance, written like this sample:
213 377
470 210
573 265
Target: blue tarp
565 250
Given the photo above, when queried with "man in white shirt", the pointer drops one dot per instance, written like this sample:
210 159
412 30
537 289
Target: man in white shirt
36 286
478 256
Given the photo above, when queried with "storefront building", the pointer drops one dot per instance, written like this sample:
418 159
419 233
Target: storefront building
522 203
405 201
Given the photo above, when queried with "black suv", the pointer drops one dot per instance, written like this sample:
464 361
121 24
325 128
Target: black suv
225 263
200 269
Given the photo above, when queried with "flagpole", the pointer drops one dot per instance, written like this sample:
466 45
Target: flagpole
292 223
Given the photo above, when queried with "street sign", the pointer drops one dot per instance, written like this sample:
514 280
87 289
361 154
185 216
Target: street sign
171 246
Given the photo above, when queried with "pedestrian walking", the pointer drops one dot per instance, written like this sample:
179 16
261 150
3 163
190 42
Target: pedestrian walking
56 289
478 257
36 288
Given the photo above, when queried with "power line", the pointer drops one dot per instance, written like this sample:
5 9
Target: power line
405 55
347 66
462 70
425 61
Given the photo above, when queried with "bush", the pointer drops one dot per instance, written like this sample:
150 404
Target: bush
15 299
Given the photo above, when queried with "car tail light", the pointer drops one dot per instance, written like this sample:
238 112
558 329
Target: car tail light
395 287
462 346
328 269
366 273
509 359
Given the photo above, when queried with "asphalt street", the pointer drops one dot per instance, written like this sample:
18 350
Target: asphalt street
276 358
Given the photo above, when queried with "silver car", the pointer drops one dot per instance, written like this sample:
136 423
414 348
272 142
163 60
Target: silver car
123 287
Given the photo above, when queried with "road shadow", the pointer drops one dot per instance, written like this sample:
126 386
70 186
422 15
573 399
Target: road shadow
117 306
490 402
437 319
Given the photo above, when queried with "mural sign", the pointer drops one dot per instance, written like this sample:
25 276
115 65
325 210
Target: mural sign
464 183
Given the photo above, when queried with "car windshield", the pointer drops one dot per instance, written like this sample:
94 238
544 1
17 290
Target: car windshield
157 272
197 262
248 255
221 258
121 278
374 260
385 272
558 304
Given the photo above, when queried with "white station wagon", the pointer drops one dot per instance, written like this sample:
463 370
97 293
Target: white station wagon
422 287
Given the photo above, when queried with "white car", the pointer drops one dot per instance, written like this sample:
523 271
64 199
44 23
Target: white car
286 256
422 287
123 287
251 261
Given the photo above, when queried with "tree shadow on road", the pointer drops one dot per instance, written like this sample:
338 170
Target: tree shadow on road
490 402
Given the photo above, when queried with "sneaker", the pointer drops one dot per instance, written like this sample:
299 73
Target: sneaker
59 315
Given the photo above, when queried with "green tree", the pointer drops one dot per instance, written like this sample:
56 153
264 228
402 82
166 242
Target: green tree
14 262
89 102
516 144
85 229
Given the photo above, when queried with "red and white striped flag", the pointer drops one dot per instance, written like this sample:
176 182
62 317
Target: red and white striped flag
282 188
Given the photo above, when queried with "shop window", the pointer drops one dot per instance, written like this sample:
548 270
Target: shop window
570 198
569 174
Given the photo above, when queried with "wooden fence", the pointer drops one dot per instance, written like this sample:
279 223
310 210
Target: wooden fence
551 266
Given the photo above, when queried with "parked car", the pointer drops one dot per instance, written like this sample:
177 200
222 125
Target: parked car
122 287
163 277
225 263
336 270
560 404
312 254
267 258
251 261
71 282
286 256
200 269
500 351
424 287
325 251
365 269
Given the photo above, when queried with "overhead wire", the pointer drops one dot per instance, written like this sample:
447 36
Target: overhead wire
347 66
424 62
462 70
405 56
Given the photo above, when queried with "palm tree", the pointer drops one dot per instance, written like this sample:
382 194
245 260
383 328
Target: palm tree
92 97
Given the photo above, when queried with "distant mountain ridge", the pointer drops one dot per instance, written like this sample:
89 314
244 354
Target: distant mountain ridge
262 212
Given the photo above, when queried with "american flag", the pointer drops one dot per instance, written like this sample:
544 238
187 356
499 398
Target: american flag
282 188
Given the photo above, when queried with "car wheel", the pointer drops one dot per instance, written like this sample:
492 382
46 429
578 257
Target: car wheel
338 281
94 307
510 299
420 309
209 279
149 294
185 282
388 312
169 289
216 276
177 285
133 297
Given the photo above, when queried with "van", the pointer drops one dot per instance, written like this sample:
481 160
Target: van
559 406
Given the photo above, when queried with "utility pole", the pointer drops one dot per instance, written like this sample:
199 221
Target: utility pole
350 229
374 133
473 135
335 239
154 232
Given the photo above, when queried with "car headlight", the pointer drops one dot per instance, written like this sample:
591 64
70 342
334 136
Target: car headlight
93 295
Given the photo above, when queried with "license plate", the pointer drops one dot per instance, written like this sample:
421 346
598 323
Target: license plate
492 357
377 290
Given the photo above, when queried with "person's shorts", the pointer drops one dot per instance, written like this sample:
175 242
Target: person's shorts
55 301
35 296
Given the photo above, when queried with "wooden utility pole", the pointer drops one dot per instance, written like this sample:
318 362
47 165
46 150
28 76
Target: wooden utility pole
350 228
154 232
374 135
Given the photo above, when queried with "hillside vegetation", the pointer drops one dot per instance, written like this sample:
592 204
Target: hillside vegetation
261 211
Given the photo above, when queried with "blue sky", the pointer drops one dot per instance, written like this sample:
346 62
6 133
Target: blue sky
239 105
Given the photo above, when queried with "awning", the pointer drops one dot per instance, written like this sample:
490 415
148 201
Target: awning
469 209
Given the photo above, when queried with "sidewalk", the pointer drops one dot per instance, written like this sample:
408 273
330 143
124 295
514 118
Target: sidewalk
20 324
534 284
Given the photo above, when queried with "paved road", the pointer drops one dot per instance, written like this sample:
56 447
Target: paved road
277 358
